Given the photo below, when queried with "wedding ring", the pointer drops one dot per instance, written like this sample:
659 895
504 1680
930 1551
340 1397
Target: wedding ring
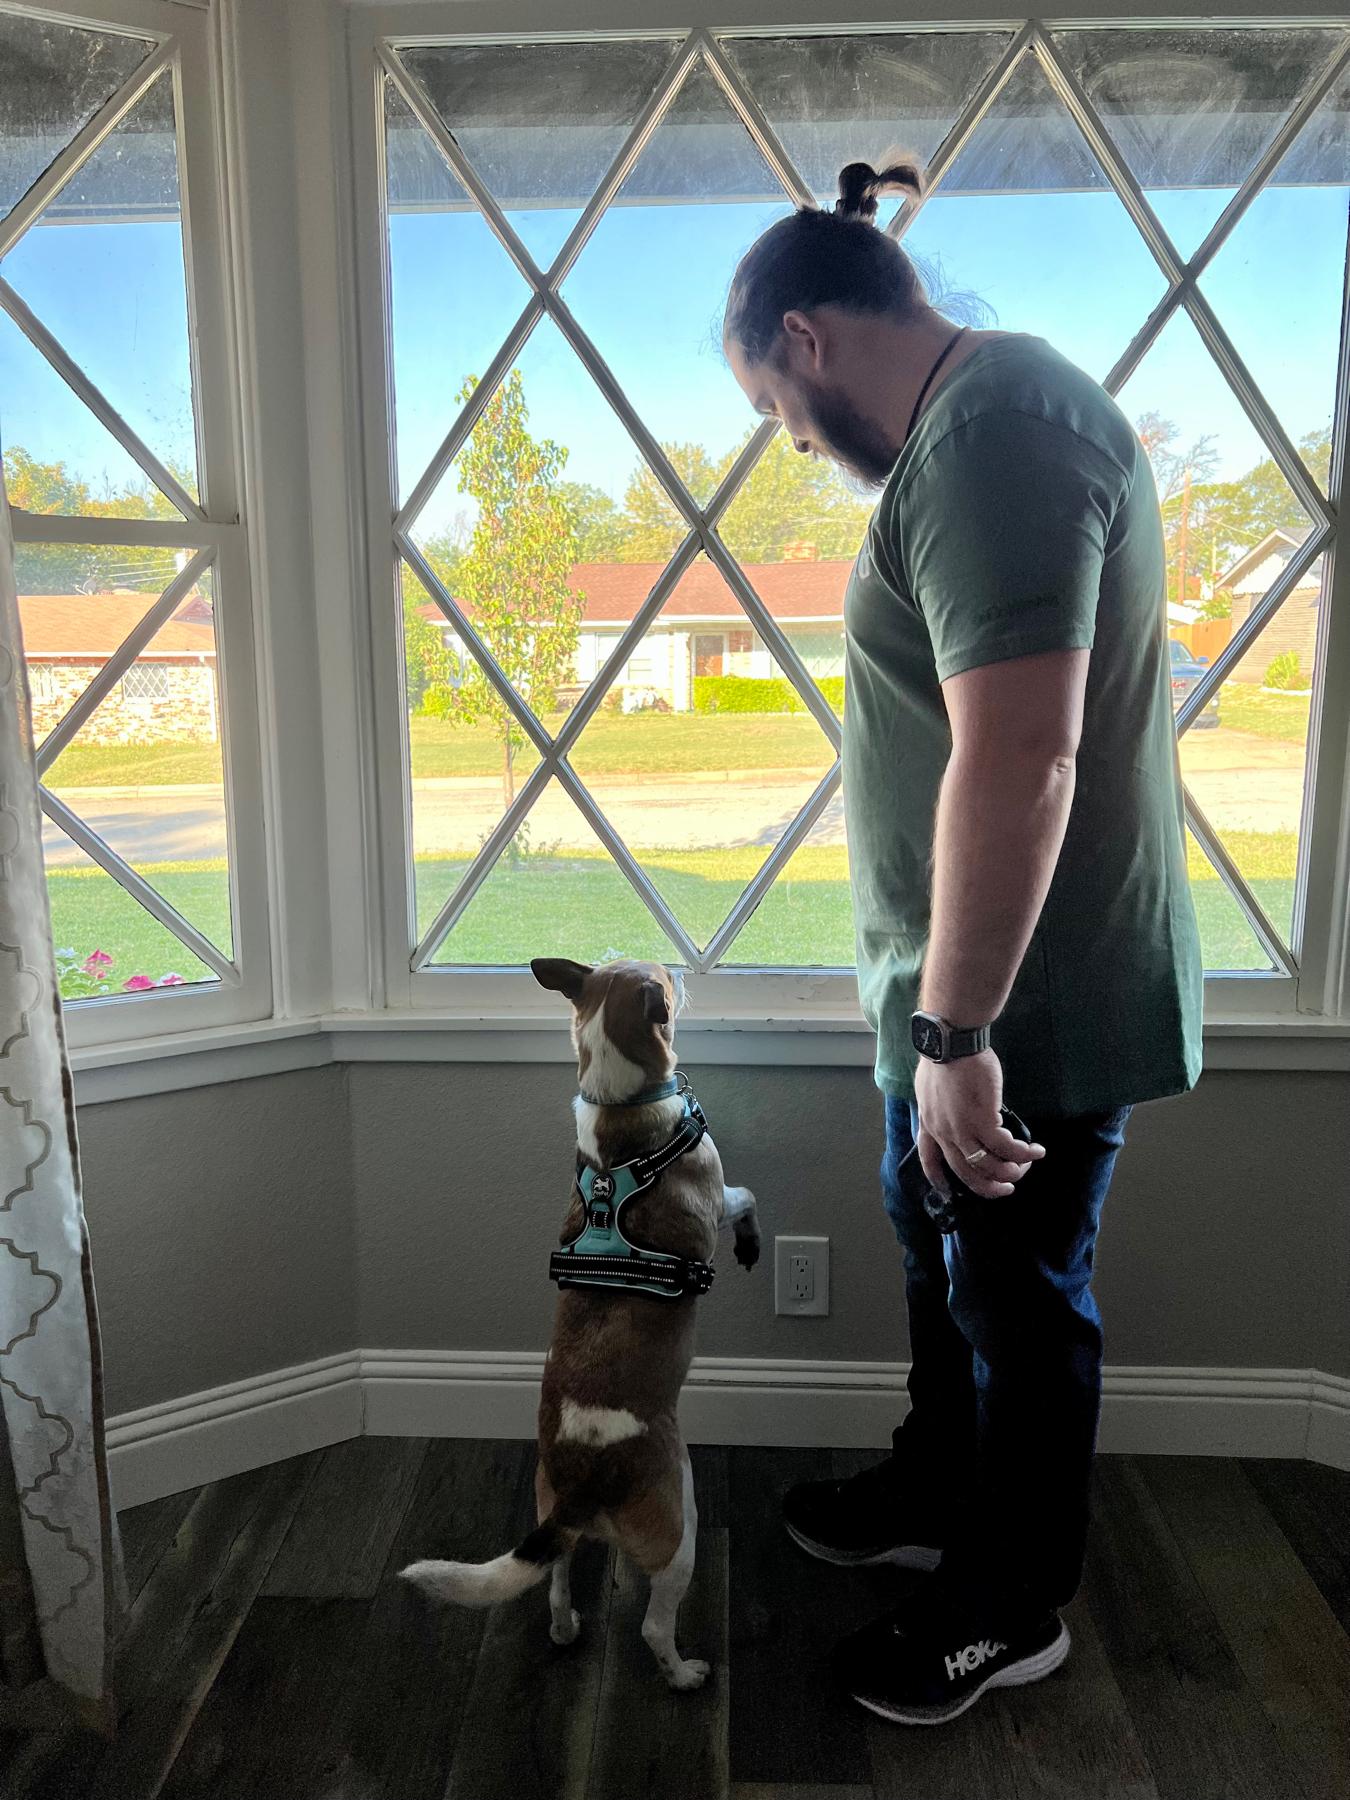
974 1156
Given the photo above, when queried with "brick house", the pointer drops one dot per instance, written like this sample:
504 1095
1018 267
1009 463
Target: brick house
701 629
167 694
1294 626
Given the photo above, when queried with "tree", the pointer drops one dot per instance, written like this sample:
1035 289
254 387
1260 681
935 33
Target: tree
512 578
652 527
600 528
790 498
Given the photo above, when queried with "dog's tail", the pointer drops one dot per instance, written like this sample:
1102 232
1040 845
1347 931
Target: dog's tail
505 1577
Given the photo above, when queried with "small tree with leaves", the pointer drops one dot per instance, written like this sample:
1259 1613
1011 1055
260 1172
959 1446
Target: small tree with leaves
512 578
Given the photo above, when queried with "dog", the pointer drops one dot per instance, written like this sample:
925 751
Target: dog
612 1462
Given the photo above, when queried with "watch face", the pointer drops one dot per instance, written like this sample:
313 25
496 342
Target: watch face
927 1037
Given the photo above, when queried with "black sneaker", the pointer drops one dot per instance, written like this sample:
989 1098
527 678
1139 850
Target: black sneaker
928 1662
860 1522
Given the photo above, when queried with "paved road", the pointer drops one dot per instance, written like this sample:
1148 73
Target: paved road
1241 782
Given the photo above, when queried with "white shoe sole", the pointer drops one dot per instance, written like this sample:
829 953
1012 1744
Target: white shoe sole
902 1556
1018 1674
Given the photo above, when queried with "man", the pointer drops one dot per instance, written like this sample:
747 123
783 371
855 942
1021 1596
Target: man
1023 913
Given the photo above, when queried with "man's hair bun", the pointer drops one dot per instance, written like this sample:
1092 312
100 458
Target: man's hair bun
861 186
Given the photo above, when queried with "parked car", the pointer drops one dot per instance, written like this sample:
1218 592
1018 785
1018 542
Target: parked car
1186 671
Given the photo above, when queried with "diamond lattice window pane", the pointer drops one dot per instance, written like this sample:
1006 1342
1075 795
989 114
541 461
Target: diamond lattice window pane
453 290
145 771
58 457
53 79
1277 283
1245 759
1227 940
467 756
806 918
106 942
649 285
555 891
837 100
1023 232
541 123
102 268
1191 111
702 753
1221 492
795 508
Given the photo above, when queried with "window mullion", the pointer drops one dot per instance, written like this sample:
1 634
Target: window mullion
636 875
779 644
470 413
792 838
83 528
103 410
1112 163
482 865
153 902
766 139
82 146
1269 159
432 582
634 144
419 101
1233 879
120 661
961 132
1220 347
1252 626
1145 338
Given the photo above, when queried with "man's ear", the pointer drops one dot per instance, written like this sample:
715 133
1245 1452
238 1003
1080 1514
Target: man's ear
655 1003
561 976
804 336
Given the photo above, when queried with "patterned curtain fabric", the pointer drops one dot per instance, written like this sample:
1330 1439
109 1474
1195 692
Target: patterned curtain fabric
56 1604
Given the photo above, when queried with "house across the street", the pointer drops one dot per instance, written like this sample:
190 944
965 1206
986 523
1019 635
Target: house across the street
1294 626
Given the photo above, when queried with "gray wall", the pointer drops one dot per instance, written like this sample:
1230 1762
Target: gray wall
221 1225
407 1206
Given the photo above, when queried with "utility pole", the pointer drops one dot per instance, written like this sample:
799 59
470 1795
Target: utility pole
1181 536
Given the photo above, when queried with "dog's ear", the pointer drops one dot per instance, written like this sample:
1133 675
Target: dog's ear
655 1003
561 976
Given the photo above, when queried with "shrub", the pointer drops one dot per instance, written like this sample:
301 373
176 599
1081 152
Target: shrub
1284 671
745 694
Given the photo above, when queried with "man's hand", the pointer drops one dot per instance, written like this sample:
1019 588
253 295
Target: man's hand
959 1115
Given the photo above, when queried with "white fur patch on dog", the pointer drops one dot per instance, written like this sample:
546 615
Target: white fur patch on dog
598 1425
610 1075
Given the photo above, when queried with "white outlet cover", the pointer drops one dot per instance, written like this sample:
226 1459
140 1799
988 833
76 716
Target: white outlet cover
818 1249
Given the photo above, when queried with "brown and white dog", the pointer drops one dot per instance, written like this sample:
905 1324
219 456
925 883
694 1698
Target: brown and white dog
612 1462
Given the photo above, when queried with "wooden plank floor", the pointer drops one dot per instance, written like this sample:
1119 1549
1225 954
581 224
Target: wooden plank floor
270 1655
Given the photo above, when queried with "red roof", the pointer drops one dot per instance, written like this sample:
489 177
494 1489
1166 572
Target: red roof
790 590
89 627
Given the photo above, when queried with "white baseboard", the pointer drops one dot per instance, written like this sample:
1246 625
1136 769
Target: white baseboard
839 1405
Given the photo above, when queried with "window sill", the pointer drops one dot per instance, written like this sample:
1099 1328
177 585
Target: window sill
191 1059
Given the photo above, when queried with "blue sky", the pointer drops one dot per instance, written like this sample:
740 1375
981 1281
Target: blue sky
649 289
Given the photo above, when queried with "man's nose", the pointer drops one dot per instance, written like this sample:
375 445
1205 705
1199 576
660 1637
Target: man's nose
801 446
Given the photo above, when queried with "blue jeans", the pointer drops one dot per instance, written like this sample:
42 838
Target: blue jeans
1006 1360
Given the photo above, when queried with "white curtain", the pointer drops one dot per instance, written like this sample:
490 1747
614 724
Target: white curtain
58 1515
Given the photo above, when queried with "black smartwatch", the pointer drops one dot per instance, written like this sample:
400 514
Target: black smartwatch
941 1042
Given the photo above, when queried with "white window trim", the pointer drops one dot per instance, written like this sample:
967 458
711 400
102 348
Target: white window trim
296 286
186 37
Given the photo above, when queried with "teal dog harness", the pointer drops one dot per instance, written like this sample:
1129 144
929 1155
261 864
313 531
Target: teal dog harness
602 1257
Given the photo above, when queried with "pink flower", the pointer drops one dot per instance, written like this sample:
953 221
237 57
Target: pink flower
96 962
137 984
172 981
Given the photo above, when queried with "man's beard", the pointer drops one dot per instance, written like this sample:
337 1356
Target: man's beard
859 445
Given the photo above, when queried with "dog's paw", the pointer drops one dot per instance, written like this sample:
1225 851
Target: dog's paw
747 1249
566 1631
684 1677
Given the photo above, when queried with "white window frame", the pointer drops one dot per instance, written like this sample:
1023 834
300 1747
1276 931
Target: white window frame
213 531
1318 985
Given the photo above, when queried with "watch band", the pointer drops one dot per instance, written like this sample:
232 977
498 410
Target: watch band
966 1043
941 1042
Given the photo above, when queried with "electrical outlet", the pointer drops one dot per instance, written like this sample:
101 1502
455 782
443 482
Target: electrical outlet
801 1266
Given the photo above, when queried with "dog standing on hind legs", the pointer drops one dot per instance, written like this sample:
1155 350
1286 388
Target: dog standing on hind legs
637 1247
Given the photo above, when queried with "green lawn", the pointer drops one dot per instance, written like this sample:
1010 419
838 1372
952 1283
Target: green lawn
1284 717
580 905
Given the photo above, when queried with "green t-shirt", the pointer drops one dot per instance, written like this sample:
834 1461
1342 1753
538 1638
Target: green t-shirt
1021 517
